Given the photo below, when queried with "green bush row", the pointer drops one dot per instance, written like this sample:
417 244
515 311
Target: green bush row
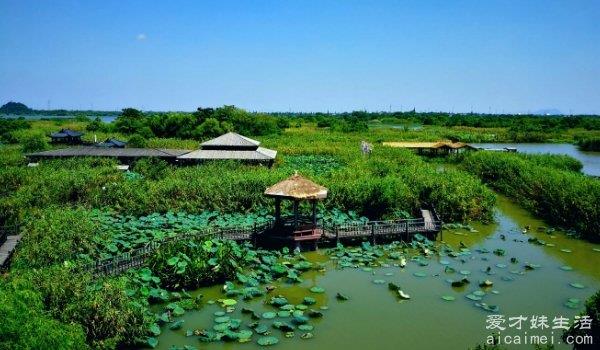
388 181
563 198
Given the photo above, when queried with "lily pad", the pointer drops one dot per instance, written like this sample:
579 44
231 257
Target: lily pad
269 315
267 341
573 303
448 298
306 327
309 301
465 272
261 329
317 289
403 295
222 319
486 283
176 325
152 342
577 285
566 268
228 302
379 281
420 274
472 297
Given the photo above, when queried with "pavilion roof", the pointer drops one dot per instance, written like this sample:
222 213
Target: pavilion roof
297 187
230 140
66 133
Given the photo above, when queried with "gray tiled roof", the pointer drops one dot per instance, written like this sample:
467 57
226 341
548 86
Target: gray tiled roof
260 154
229 140
111 152
66 132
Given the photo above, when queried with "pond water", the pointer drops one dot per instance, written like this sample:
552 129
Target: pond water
590 160
105 119
374 317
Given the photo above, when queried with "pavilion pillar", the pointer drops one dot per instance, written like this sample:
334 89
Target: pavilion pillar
314 213
277 210
295 212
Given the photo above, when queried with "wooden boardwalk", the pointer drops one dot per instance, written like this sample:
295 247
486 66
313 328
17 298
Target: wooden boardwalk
7 246
402 229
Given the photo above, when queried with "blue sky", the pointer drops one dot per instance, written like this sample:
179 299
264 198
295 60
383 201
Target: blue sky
511 56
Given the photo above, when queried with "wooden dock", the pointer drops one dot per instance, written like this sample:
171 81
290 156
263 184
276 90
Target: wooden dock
9 239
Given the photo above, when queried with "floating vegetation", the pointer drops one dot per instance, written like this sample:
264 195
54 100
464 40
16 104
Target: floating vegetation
317 290
268 315
566 268
419 274
309 301
489 308
448 298
486 283
267 341
403 295
473 297
577 285
573 303
460 283
340 296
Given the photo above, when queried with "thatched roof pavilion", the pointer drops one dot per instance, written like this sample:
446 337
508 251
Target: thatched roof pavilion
297 188
231 146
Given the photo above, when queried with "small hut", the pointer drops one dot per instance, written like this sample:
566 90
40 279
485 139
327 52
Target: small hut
67 136
297 227
433 148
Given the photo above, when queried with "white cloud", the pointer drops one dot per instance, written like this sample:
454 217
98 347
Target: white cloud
141 37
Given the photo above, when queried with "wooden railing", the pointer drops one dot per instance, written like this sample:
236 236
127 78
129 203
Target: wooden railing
402 229
136 257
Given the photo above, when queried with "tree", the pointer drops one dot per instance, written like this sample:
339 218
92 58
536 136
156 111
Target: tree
208 129
136 141
94 125
201 114
130 121
34 142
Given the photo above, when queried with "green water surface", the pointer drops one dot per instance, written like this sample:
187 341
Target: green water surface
375 318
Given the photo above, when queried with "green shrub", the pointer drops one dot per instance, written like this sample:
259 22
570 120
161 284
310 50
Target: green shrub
33 142
136 141
101 307
52 236
589 144
25 324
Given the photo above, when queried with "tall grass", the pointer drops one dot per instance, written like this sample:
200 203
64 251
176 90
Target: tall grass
563 198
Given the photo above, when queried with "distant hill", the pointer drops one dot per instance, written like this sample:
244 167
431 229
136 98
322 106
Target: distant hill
15 108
